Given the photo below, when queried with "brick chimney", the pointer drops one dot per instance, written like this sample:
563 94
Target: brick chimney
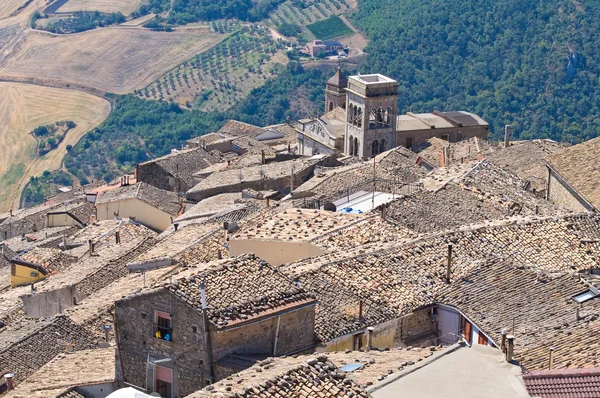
9 381
510 347
551 360
370 337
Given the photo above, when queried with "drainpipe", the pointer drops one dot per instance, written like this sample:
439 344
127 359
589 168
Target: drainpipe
207 344
276 336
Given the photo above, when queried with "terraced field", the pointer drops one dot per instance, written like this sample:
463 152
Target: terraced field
304 12
24 107
217 78
117 60
126 7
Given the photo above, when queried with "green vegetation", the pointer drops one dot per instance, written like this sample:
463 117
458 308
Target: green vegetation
217 78
329 28
303 12
80 22
288 29
41 188
139 129
51 135
532 64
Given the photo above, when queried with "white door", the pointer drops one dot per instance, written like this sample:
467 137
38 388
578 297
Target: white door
448 326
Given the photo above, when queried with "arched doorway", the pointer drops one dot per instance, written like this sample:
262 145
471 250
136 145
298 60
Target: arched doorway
375 148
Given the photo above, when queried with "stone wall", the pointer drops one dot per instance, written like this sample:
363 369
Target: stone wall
135 337
563 195
296 332
158 177
46 304
414 329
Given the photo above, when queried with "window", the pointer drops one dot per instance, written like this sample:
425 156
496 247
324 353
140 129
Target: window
587 295
162 326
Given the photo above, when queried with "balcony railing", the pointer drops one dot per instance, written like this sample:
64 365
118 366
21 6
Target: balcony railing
162 332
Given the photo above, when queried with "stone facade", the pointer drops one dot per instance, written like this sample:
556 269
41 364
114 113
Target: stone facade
135 318
296 334
561 193
186 354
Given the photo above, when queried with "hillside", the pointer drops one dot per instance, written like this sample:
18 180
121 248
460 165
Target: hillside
533 64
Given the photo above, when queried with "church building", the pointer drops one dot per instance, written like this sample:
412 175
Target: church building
361 119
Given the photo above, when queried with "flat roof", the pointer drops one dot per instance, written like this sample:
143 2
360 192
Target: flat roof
373 79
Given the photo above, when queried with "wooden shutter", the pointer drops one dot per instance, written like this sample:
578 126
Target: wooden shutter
467 332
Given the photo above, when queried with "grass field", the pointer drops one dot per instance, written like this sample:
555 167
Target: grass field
217 78
329 28
126 7
24 107
117 60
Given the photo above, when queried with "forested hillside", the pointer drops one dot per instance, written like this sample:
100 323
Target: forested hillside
533 64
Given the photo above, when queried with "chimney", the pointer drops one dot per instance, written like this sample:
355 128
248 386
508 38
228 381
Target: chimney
203 295
510 347
9 381
507 136
449 264
91 247
135 172
118 237
175 225
268 202
578 316
503 341
370 338
551 361
360 310
219 255
263 156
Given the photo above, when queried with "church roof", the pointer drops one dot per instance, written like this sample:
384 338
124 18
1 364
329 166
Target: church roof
338 80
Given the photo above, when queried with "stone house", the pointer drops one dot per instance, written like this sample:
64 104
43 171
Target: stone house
174 172
177 338
572 177
153 207
37 264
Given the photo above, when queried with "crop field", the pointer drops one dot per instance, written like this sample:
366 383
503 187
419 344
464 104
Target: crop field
217 78
305 12
117 60
7 7
126 7
329 28
24 107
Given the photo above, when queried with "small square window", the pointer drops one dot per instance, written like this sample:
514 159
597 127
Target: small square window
194 329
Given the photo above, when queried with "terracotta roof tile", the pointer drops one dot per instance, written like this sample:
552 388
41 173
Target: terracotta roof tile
564 383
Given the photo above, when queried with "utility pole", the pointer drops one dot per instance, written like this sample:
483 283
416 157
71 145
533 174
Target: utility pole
374 179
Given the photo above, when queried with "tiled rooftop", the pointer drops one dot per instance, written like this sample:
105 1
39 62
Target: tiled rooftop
563 383
578 165
83 367
295 224
526 159
397 280
497 295
52 260
167 201
306 375
183 164
241 289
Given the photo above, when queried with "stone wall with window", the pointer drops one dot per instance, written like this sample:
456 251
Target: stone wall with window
138 319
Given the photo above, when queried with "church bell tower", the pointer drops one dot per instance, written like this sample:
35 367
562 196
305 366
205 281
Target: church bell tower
335 91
